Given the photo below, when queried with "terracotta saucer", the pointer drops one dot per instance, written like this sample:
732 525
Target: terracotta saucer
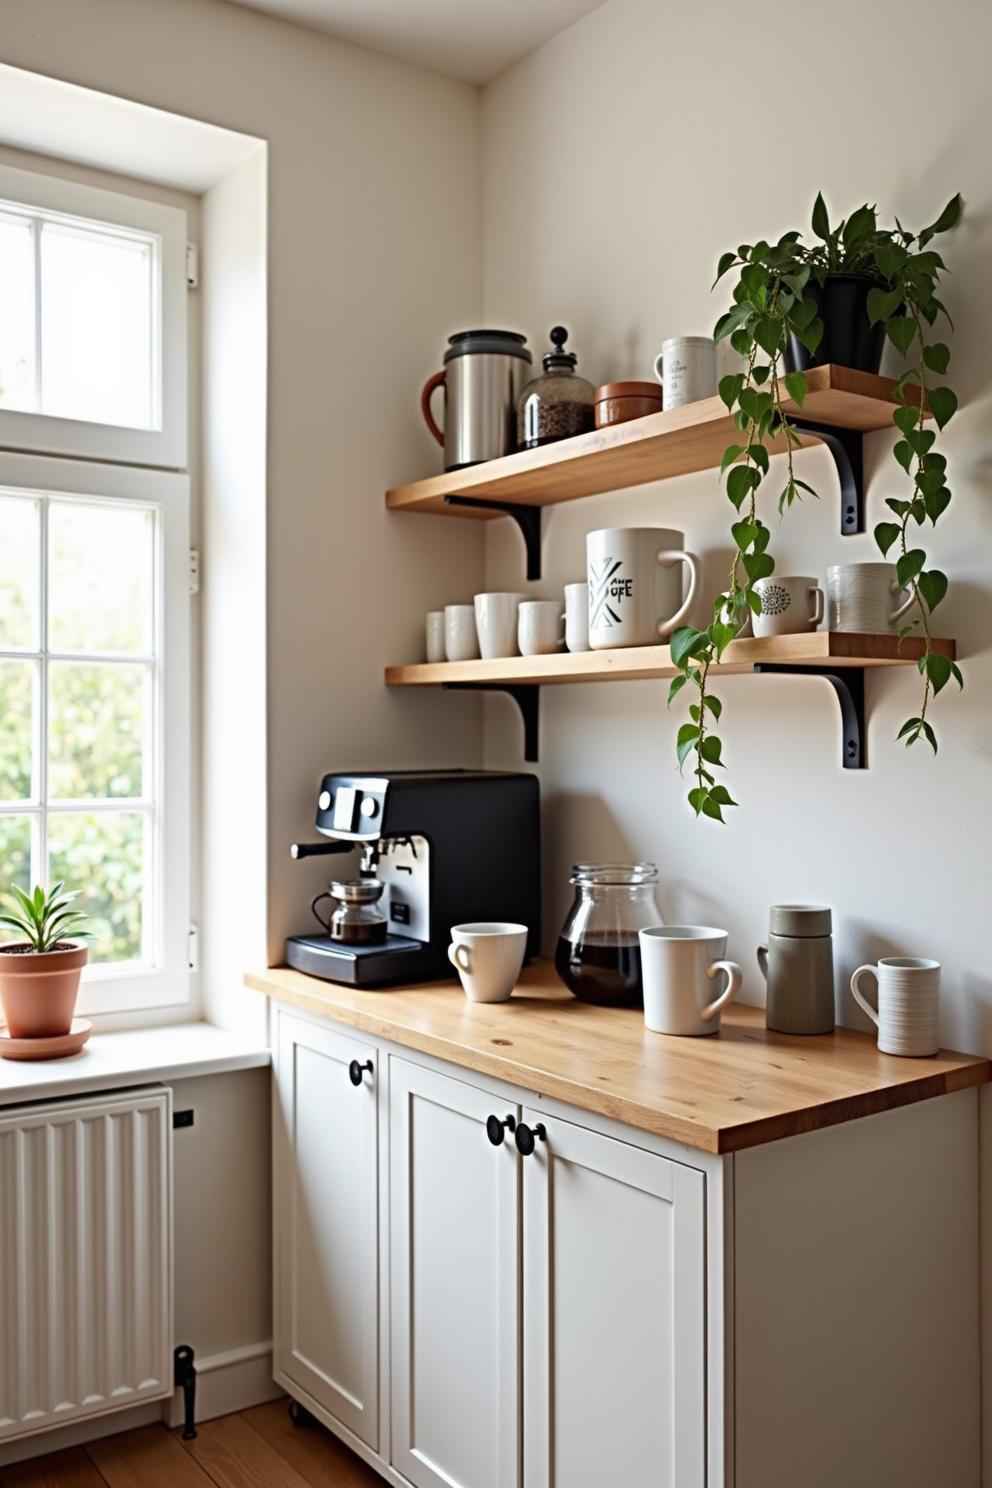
45 1048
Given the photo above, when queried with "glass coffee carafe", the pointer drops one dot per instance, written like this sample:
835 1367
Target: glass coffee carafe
598 956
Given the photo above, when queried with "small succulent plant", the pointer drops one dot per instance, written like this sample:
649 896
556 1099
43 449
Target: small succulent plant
45 920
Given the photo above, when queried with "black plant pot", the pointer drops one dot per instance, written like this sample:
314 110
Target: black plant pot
848 340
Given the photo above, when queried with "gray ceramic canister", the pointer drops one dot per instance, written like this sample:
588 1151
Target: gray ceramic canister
798 967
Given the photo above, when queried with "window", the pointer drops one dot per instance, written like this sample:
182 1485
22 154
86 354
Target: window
94 601
92 322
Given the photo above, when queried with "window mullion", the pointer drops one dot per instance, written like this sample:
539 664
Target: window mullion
41 873
36 247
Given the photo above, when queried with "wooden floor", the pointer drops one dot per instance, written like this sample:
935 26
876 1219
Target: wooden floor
258 1448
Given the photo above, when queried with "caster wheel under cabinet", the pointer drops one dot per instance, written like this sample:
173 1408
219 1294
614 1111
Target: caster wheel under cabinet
478 1288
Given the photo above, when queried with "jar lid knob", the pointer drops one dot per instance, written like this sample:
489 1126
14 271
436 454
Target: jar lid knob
559 357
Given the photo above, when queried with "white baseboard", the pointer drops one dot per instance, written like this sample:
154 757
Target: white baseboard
227 1382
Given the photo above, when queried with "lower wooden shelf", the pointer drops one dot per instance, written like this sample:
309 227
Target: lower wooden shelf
840 657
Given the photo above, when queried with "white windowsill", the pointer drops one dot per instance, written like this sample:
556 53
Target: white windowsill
112 1060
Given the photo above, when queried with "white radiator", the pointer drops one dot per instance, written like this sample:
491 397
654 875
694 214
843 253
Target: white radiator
85 1258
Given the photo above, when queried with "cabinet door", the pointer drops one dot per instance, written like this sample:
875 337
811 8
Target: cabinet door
326 1235
614 1388
454 1299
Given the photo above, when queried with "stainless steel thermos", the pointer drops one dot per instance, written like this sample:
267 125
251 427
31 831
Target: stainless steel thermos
798 967
484 372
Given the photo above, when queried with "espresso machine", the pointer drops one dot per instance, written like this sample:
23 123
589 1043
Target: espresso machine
438 848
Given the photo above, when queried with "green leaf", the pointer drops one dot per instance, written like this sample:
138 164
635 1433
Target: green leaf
683 641
937 503
886 533
741 342
695 712
938 670
731 453
730 387
675 687
908 629
937 357
710 750
947 219
921 440
754 602
727 261
721 635
942 402
903 452
714 704
889 258
858 227
909 565
811 335
762 538
899 507
909 726
697 796
797 386
759 456
956 674
711 808
802 313
900 331
882 303
768 334
722 796
906 418
732 320
685 741
929 735
758 565
929 482
744 534
820 221
740 482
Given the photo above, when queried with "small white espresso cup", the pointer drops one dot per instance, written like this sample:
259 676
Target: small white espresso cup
686 369
461 643
488 955
435 636
496 624
635 585
788 605
908 999
577 617
539 627
679 964
865 597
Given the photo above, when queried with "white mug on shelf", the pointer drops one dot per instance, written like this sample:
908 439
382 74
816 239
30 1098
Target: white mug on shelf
679 965
435 636
577 617
865 597
686 369
460 640
908 996
788 606
635 585
496 624
488 956
539 628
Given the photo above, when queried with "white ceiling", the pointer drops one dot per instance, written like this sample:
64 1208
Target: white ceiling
469 39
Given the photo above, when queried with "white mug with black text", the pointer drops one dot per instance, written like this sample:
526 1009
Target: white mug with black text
635 585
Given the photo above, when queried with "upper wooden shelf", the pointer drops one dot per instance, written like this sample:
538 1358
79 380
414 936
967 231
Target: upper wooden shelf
654 448
817 649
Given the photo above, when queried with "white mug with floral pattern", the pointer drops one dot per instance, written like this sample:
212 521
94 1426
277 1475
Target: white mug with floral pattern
788 605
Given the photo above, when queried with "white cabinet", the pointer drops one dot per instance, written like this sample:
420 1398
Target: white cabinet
614 1314
326 1223
454 1285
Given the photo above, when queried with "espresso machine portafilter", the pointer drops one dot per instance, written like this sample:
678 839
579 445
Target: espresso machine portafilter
445 847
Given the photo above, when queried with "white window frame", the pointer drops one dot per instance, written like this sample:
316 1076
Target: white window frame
165 982
166 445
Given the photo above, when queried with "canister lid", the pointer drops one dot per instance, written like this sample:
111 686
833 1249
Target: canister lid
478 343
799 919
650 390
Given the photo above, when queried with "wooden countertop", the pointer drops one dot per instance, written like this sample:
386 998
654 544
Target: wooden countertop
740 1088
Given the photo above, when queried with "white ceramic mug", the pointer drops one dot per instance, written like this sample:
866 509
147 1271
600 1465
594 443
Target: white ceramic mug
461 643
488 956
679 964
635 585
788 606
686 369
496 624
908 994
435 636
865 597
539 627
577 617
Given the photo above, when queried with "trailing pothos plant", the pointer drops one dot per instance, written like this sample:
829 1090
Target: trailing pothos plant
773 298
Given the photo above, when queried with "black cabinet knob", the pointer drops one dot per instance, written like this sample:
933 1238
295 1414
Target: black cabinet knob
355 1071
496 1129
527 1137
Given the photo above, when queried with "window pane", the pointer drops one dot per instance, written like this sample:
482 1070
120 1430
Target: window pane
96 326
96 729
18 570
101 854
15 855
17 374
17 684
100 578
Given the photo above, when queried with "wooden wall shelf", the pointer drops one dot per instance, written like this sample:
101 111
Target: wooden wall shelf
840 406
839 657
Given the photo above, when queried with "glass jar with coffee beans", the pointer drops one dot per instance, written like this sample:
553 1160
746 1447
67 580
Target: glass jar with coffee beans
557 404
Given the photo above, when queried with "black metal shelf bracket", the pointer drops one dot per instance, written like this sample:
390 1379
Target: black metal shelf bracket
526 695
848 684
847 448
527 518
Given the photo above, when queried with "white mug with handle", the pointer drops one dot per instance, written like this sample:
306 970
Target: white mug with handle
679 964
635 585
908 993
488 955
866 597
686 369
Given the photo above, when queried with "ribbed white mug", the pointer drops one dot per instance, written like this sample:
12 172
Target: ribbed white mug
865 597
908 1004
461 643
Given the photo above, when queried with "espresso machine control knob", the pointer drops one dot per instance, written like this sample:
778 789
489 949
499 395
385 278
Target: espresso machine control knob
369 807
324 800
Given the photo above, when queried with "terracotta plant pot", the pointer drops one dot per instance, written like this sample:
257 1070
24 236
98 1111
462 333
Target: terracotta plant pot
38 991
